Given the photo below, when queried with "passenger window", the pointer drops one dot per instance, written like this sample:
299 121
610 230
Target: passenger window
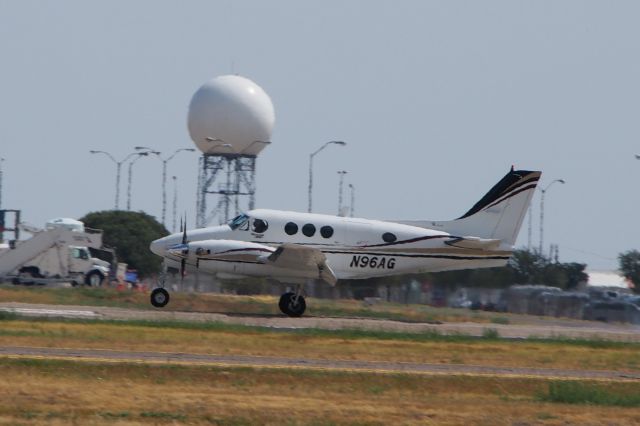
388 237
309 230
260 226
291 228
326 231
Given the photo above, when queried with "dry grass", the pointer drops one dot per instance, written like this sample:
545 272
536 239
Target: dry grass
237 340
64 392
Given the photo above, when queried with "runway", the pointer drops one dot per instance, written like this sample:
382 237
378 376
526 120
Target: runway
181 358
531 327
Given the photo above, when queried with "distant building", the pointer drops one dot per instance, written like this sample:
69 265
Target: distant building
607 279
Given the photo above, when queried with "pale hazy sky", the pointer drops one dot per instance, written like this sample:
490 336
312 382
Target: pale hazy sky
436 101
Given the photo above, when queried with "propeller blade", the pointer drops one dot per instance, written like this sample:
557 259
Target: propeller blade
184 231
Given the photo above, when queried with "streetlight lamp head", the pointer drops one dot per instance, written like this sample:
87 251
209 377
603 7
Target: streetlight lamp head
561 181
190 149
343 143
637 156
141 147
93 151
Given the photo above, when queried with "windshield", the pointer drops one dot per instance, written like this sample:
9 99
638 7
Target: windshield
238 221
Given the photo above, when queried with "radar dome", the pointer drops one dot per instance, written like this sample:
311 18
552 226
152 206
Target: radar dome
231 115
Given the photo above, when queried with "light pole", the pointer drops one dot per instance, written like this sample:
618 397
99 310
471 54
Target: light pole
175 201
543 191
140 155
353 199
1 161
118 167
310 195
164 174
340 185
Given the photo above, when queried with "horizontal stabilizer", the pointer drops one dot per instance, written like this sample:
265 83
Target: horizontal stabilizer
474 243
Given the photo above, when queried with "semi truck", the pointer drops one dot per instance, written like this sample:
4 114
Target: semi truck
59 253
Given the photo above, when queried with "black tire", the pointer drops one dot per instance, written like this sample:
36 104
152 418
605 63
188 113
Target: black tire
159 297
288 307
94 279
27 275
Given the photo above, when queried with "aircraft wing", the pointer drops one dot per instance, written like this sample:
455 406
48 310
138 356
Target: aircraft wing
298 257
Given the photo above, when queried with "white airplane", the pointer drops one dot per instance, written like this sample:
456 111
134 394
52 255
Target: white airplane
296 247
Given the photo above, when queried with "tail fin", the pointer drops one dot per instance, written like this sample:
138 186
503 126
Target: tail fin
499 214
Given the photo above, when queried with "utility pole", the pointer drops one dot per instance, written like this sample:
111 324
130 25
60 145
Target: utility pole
140 154
353 199
341 173
118 167
1 161
530 229
313 154
175 201
164 174
544 191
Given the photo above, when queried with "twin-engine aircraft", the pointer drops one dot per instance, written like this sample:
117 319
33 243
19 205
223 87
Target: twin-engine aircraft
296 247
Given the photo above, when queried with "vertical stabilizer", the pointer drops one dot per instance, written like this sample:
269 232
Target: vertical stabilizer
499 214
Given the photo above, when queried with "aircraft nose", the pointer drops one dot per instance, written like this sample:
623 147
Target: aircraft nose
157 247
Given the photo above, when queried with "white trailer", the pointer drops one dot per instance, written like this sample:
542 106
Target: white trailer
59 253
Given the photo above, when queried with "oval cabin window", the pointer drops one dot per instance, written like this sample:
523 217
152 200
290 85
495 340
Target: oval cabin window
291 228
388 237
309 230
326 231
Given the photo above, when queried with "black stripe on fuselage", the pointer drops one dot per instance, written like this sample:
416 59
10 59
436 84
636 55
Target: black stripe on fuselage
417 256
230 260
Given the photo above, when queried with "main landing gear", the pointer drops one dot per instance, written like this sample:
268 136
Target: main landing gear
293 304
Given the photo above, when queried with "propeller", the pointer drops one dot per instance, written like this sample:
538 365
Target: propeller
183 261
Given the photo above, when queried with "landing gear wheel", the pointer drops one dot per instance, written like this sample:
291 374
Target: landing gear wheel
94 279
159 297
292 307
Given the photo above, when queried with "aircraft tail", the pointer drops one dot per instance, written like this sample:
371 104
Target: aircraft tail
499 214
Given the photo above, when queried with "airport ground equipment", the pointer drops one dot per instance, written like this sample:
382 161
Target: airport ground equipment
56 254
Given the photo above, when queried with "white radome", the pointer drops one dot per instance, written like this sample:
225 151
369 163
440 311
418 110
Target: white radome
231 115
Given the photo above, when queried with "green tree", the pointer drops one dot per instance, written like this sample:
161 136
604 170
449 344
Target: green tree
629 262
130 233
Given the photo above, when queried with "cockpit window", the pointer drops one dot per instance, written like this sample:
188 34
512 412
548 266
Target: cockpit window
259 225
239 222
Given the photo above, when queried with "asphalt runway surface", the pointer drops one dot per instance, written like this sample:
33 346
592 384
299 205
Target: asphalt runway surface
525 328
553 328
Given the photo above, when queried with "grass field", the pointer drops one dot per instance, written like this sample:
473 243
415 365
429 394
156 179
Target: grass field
226 339
61 392
45 392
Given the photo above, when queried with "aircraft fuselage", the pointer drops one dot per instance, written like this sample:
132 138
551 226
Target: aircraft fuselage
354 248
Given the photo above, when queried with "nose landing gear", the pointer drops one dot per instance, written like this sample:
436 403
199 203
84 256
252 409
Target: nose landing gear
160 296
